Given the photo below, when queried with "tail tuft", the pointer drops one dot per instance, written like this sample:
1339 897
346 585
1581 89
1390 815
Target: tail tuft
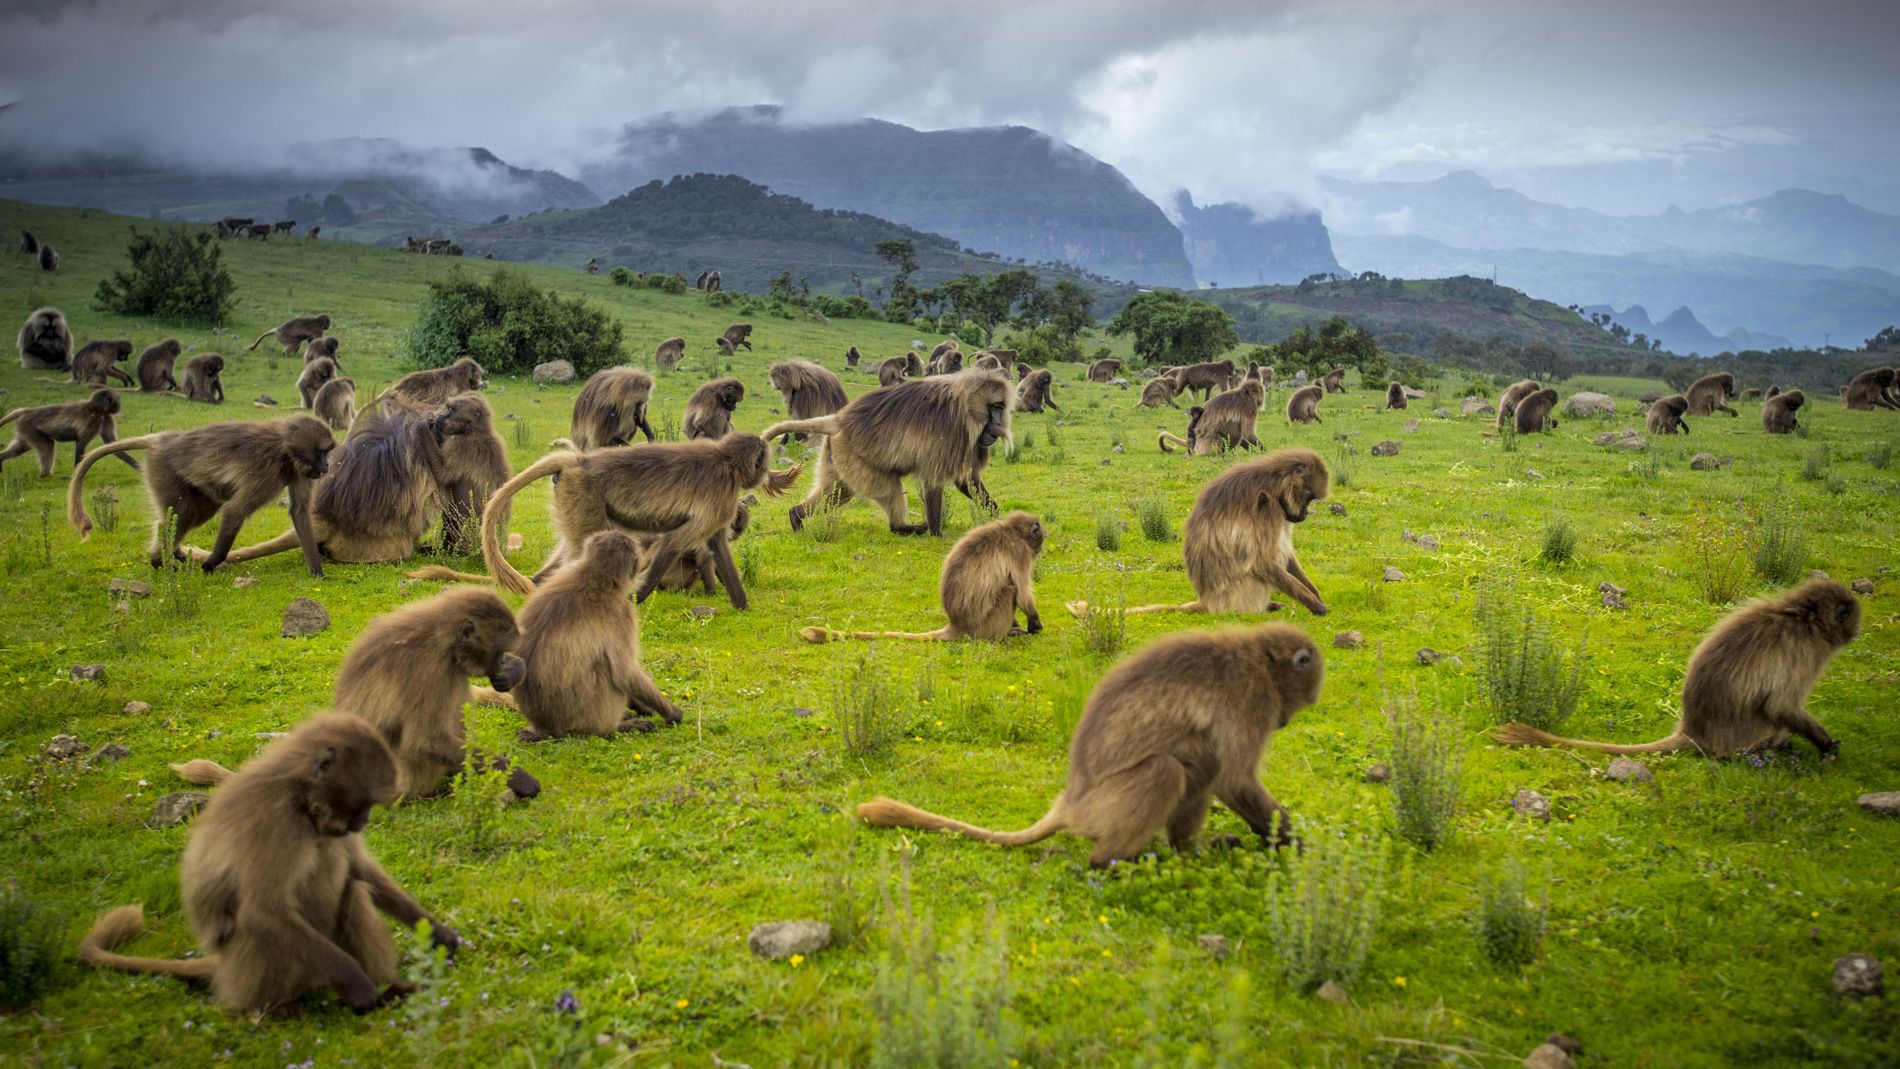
114 928
816 634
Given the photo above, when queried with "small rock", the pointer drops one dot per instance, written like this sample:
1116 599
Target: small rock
305 617
1411 426
64 746
1118 450
701 612
1585 403
1708 462
87 673
554 371
1332 992
1119 383
1407 535
266 400
1629 770
112 752
1863 586
177 808
1378 773
132 588
1336 509
1476 406
1818 574
215 733
1386 449
782 939
1549 1056
1633 444
1605 438
1611 588
1215 945
1533 473
1531 804
803 711
1393 575
1570 1045
136 708
1428 543
1613 599
522 785
1858 976
1103 463
243 581
857 556
1881 803
1349 640
1427 655
1442 413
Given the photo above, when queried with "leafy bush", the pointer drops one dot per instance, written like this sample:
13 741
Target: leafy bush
1105 627
665 283
175 276
1509 924
1153 513
1717 546
1476 388
1814 465
940 1005
1781 546
1323 906
32 945
1526 675
105 509
1427 770
861 701
621 276
1560 540
1880 454
1108 533
509 326
852 307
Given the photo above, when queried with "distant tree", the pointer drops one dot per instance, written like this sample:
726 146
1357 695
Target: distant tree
175 276
301 207
337 211
1542 360
1640 340
1887 341
900 253
510 326
1170 328
1071 309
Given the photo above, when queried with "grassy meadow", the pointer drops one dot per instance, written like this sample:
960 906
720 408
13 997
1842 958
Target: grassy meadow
1692 921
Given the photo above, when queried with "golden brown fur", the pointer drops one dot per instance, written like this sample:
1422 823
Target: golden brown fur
78 422
1777 413
737 336
46 343
1534 412
1210 377
422 389
611 406
155 366
709 410
891 372
293 333
988 362
1665 415
316 375
937 363
1335 380
97 363
1104 369
1507 401
669 354
1711 394
203 380
1223 423
1161 390
1302 406
986 578
913 365
808 389
1035 391
1869 390
1395 395
323 347
335 404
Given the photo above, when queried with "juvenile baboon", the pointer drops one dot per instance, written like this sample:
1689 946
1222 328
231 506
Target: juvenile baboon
1395 395
913 365
316 375
320 348
1335 381
892 371
45 342
78 422
808 389
611 406
1023 371
293 333
49 258
1871 389
1036 391
29 245
695 563
939 429
1665 415
1534 412
688 492
1104 369
474 465
1777 413
97 363
1748 682
1507 401
1224 422
934 361
225 469
709 410
1302 406
1208 377
669 354
277 885
204 379
425 389
1161 390
986 578
1193 443
336 403
1711 393
155 367
737 335
1185 719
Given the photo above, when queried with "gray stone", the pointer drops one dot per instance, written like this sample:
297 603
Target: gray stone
1332 992
1549 1056
112 752
136 708
243 581
1442 413
1629 770
1428 543
554 371
782 939
1533 473
1531 804
1818 574
1393 575
1635 443
1349 640
131 588
1386 449
803 711
266 400
1476 406
1613 599
64 746
1605 438
1410 427
1336 509
701 612
87 673
1881 803
1216 946
1118 450
305 617
1858 976
1708 462
174 809
1119 383
1586 403
1611 588
1427 655
1412 393
1378 773
1863 586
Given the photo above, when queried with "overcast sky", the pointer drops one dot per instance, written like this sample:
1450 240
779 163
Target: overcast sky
1625 105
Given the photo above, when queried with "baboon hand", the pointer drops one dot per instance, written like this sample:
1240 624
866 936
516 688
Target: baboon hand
362 996
445 937
636 724
1034 622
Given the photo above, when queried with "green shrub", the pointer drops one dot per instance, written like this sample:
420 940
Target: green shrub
1781 544
32 945
1526 674
1105 627
1880 454
621 276
1814 465
665 283
105 508
1509 924
1507 437
1153 513
176 276
1427 771
1108 532
861 701
1560 540
1343 466
1323 906
1717 547
509 326
1476 388
940 1005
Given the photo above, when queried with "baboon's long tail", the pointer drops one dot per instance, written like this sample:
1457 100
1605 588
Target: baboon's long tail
498 566
260 338
436 573
11 416
76 489
1525 735
885 813
1168 440
121 924
283 543
776 483
1079 609
203 772
827 634
825 425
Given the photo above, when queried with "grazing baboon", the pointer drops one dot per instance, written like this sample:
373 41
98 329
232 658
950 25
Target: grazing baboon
1773 391
1777 413
688 492
1302 406
204 379
1104 369
45 342
1869 390
808 389
1507 401
1665 415
913 365
316 375
986 578
1161 390
709 410
225 469
49 258
1748 682
852 356
669 354
321 348
1335 380
938 429
1224 422
1751 394
259 231
1184 720
611 406
284 226
425 389
1711 393
277 884
1534 412
737 335
29 245
155 367
1036 391
336 403
293 333
892 371
78 422
97 363
1209 377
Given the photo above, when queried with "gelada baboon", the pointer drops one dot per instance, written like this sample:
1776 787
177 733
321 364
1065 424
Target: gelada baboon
229 470
986 578
892 371
1004 357
1036 391
736 336
316 375
29 245
204 379
1777 413
1161 390
336 403
593 265
97 363
1395 395
1665 415
1335 381
293 333
1224 422
45 342
669 353
278 886
320 348
1239 536
1184 720
422 389
1507 401
852 356
938 429
611 406
1023 371
1773 391
156 367
1711 393
78 422
808 389
946 361
1208 377
49 258
988 362
686 492
709 410
1534 412
1866 391
913 365
1748 682
1302 405
1104 369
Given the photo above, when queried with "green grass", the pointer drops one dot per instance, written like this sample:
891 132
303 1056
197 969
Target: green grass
1689 925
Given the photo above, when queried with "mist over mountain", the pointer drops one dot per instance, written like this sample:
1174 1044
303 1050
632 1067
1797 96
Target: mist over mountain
1230 245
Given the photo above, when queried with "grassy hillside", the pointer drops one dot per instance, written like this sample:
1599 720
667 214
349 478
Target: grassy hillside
1693 922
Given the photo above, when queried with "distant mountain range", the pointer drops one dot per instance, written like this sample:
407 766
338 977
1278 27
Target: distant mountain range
1230 245
1681 332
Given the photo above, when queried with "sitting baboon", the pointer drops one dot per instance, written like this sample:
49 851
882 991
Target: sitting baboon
1184 720
1302 406
1395 395
852 356
204 379
1748 682
1036 391
1772 391
336 403
313 232
1023 371
1208 377
78 422
1335 380
1104 369
427 389
49 258
1224 422
1534 412
1665 415
322 348
808 389
611 406
937 429
1161 390
669 354
1711 393
293 333
1872 389
593 265
736 336
1777 413
986 578
709 410
45 342
892 371
155 367
1507 401
946 361
988 362
316 375
934 361
913 365
97 363
29 245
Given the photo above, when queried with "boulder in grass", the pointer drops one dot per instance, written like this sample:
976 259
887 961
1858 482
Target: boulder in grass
781 939
554 371
1586 403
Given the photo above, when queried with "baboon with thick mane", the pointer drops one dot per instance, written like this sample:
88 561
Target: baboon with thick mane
1104 369
155 367
736 336
1507 401
1665 415
1035 391
78 422
986 578
97 363
293 333
46 344
1777 413
1711 393
1223 423
1208 377
1395 395
709 410
808 389
852 356
1302 405
1534 412
203 379
610 408
1869 390
669 353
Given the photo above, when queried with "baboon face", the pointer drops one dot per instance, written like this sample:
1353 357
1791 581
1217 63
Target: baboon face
346 781
464 414
780 376
1304 483
729 394
1793 399
749 456
471 373
484 645
104 402
213 365
307 445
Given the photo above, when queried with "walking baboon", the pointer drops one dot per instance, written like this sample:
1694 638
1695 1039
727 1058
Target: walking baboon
737 335
1036 391
669 354
155 367
1302 406
808 389
1208 377
421 390
1104 369
321 348
284 226
229 470
78 422
852 356
709 410
260 231
1395 395
611 406
1534 412
278 887
45 342
1184 720
29 245
892 371
204 379
316 375
986 578
1665 415
1777 413
1224 422
938 429
97 363
1711 393
293 333
1507 401
336 403
1335 380
49 258
1871 389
